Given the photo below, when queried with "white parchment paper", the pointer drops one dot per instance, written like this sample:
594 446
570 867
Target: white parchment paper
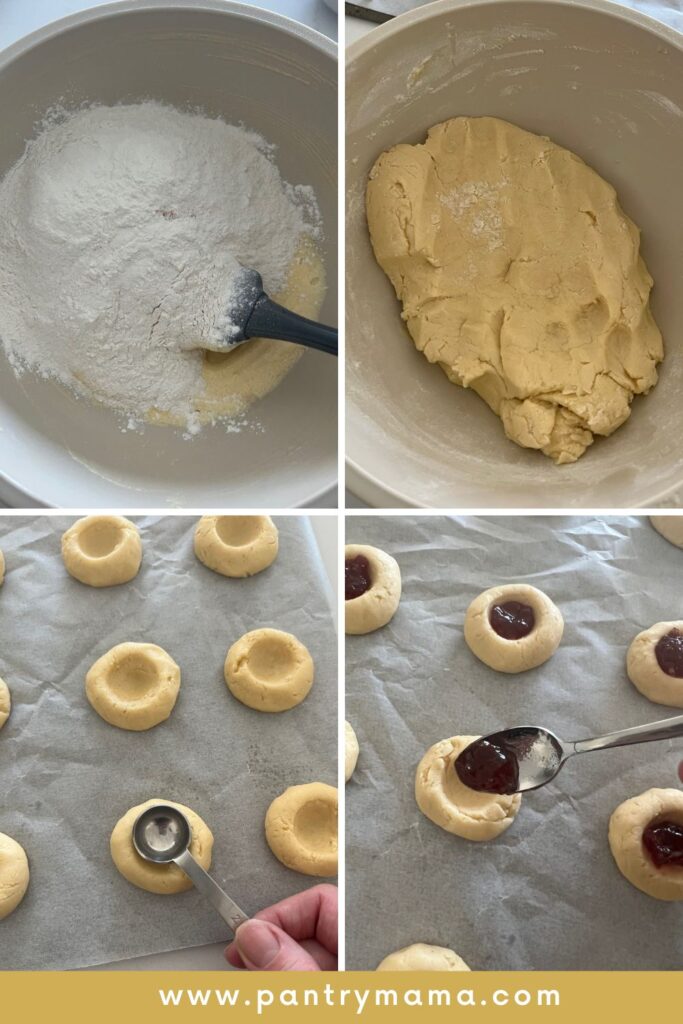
66 776
546 894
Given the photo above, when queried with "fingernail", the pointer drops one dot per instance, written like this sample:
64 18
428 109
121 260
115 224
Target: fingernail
257 943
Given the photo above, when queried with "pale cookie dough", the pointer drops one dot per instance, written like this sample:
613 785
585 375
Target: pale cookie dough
452 805
102 551
351 750
301 829
133 686
165 879
14 875
5 702
421 957
377 606
626 827
520 276
269 670
644 670
513 655
236 546
670 527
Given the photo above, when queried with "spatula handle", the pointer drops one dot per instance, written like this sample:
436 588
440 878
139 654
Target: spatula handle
269 320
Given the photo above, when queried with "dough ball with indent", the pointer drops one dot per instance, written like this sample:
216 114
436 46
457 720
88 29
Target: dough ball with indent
269 670
351 750
14 875
301 829
452 805
5 702
164 879
513 628
670 527
133 686
646 840
236 546
422 957
372 588
654 663
102 550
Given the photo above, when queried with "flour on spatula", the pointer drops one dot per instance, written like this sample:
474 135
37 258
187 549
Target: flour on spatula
121 230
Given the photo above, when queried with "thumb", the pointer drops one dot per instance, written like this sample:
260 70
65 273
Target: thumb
265 947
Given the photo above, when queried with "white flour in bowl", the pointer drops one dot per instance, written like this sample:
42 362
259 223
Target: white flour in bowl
121 229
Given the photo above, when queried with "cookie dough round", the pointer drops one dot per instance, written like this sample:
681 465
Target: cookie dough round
102 551
626 827
421 957
351 750
165 879
14 875
520 276
670 527
269 670
236 546
452 805
133 686
5 702
377 606
645 671
301 829
513 655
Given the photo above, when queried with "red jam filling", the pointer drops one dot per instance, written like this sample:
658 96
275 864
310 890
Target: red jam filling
663 841
512 620
488 767
669 653
358 578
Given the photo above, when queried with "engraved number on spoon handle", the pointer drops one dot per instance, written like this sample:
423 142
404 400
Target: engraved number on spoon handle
666 729
227 908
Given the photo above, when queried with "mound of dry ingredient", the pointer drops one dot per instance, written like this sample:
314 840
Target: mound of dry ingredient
121 230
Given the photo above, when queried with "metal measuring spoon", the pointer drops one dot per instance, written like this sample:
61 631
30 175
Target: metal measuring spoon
527 757
162 835
250 313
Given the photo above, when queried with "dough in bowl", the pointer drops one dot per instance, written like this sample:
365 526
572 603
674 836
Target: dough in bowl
133 686
165 879
520 276
452 805
654 663
422 957
301 829
5 702
646 840
373 588
102 551
236 546
269 670
513 628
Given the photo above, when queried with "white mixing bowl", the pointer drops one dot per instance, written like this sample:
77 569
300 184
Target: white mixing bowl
245 65
598 78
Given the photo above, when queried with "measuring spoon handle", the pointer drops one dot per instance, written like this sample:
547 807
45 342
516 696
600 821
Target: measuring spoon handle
227 908
665 729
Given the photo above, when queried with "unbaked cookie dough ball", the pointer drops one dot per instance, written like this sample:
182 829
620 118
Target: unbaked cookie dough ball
351 750
373 588
452 805
301 829
655 663
14 875
646 840
670 527
5 702
421 957
513 628
165 879
269 670
102 551
133 686
236 546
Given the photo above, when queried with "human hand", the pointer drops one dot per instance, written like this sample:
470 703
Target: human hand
297 934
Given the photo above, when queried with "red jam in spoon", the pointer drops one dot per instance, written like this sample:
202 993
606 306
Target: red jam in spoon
488 767
512 620
663 841
669 653
357 576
